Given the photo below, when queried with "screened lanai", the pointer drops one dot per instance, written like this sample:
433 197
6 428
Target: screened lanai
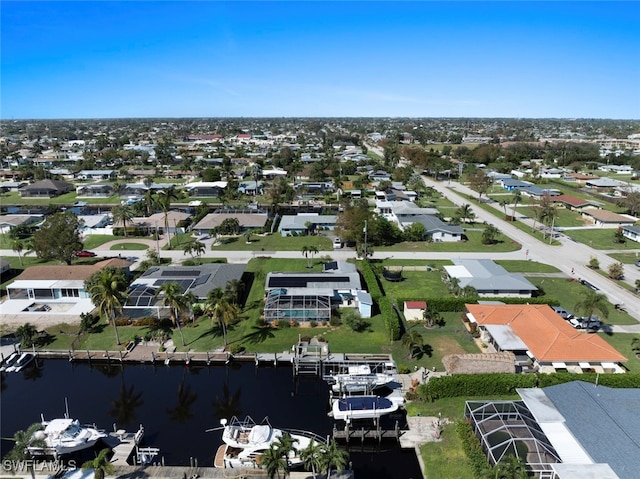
297 307
508 428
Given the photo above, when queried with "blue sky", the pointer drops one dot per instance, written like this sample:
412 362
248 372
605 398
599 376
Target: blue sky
104 59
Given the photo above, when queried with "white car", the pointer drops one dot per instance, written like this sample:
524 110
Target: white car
337 243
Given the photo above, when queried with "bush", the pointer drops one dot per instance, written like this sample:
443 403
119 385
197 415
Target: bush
474 385
472 448
236 348
313 324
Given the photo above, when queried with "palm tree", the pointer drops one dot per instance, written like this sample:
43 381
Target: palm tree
312 456
190 300
517 195
17 246
233 290
198 247
454 286
122 214
273 462
431 316
504 203
23 441
172 295
149 201
465 213
107 291
100 465
490 234
222 312
286 446
591 302
413 340
309 251
164 202
334 457
510 467
26 333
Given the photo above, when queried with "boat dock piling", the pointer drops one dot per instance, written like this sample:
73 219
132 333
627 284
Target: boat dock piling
363 433
123 444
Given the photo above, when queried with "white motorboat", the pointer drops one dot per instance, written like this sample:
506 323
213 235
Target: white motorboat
362 407
245 441
64 436
359 379
10 361
21 363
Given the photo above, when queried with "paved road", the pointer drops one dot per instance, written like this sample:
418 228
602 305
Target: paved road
570 257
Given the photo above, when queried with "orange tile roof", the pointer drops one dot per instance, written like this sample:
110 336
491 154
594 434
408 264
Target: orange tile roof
546 334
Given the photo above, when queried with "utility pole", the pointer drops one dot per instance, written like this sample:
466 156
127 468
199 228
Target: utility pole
365 239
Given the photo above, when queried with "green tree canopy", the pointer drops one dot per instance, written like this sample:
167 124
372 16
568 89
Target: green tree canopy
58 238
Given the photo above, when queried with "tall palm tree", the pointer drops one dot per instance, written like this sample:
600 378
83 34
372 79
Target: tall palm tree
233 290
100 464
273 462
312 456
286 446
517 196
107 291
413 340
190 300
465 213
172 295
18 246
221 311
334 457
164 202
591 302
23 441
308 252
149 201
122 214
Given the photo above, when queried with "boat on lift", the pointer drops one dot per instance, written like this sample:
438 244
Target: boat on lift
362 407
359 379
245 442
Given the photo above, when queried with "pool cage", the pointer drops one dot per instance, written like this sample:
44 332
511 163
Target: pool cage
508 428
302 307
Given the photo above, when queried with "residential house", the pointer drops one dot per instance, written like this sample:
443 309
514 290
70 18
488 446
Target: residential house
303 297
580 178
250 220
8 222
206 188
573 430
46 189
631 232
55 290
143 296
607 218
96 175
304 223
573 203
251 187
95 190
7 186
489 279
541 340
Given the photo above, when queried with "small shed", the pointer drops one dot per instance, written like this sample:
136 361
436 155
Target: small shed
414 310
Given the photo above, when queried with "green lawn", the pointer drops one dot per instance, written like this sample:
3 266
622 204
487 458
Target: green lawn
474 244
93 241
600 238
275 242
416 285
129 246
564 218
626 258
523 266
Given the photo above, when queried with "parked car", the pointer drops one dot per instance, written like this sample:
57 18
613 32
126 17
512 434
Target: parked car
591 324
337 243
563 313
85 254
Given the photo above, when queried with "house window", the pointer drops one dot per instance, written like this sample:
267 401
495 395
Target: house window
69 293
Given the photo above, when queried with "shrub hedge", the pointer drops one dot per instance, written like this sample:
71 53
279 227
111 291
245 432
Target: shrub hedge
453 304
472 448
391 319
460 385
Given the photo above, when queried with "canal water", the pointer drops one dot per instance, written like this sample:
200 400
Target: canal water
177 404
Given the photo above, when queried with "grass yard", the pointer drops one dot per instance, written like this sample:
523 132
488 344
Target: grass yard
622 343
93 241
129 247
275 242
446 458
600 238
474 244
564 218
523 266
569 292
626 258
416 285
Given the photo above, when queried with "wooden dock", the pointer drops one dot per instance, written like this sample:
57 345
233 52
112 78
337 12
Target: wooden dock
124 444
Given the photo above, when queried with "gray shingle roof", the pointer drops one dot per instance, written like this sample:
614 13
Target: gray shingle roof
605 420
